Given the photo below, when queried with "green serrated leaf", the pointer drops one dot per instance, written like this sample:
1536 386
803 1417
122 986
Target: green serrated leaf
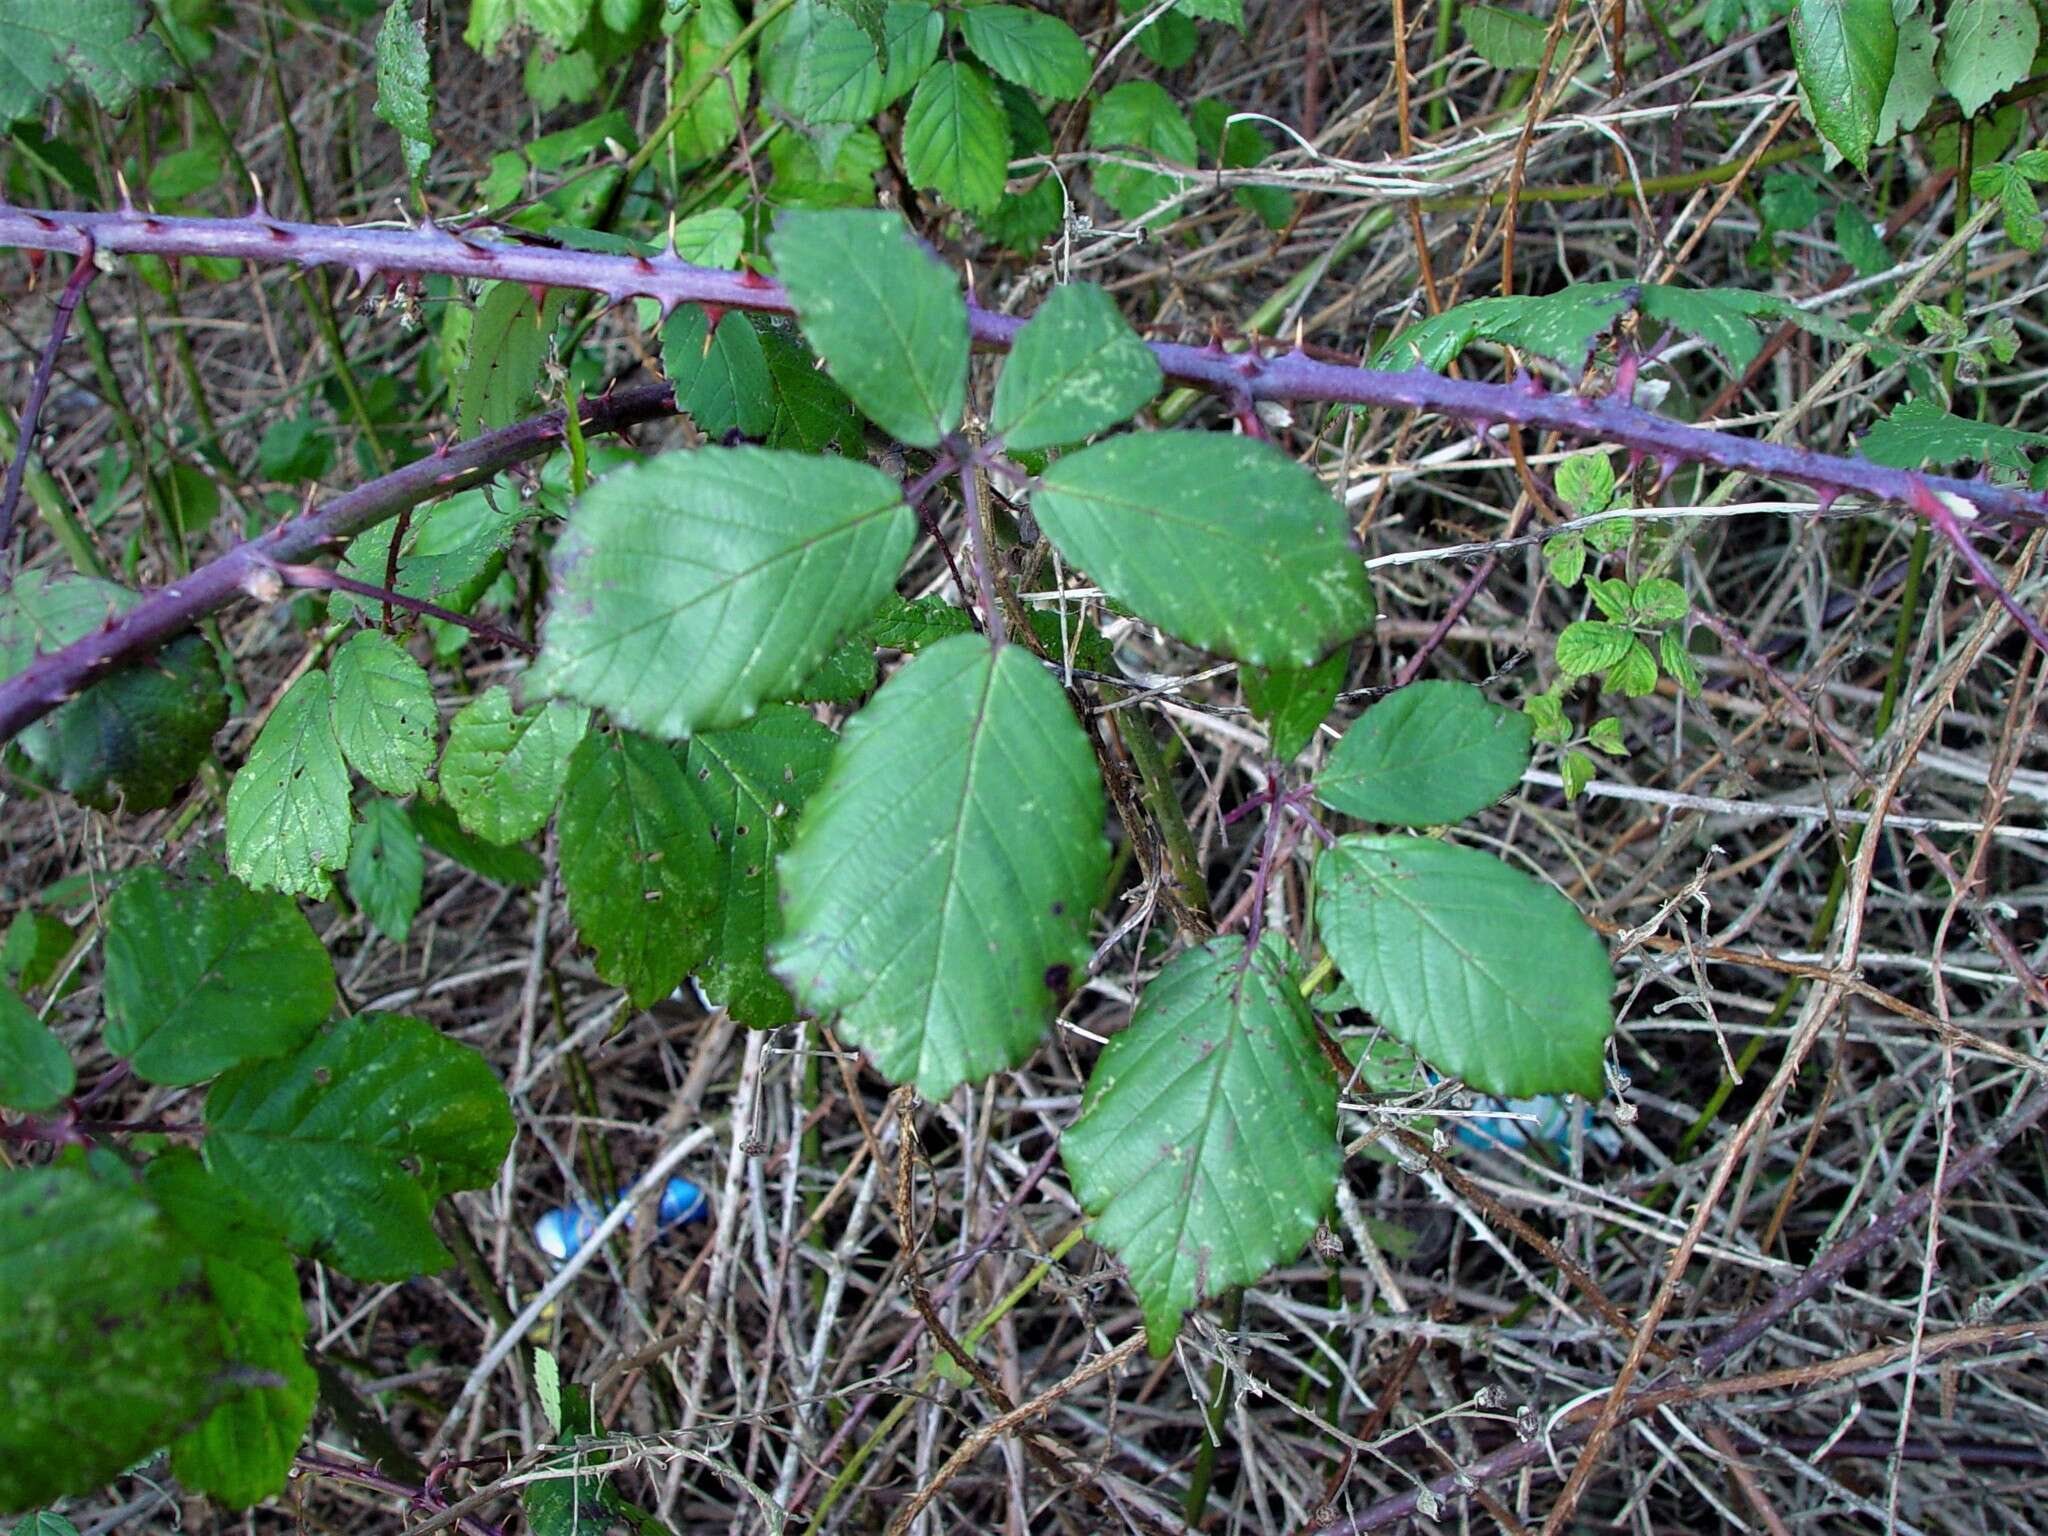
35 1070
1505 39
452 552
847 674
1613 597
639 863
1223 541
819 66
104 45
1844 50
1546 716
865 14
1140 115
1920 432
1076 368
111 1338
288 818
405 85
1611 535
1606 736
383 710
1678 663
347 1143
1591 646
1041 53
242 1453
1206 1148
504 769
706 31
938 893
956 139
812 414
1988 45
751 783
508 344
1433 753
1577 770
440 831
1585 482
1292 701
692 588
884 313
913 624
1566 557
1490 975
1659 601
911 33
721 377
1913 84
203 973
1024 220
386 869
1636 673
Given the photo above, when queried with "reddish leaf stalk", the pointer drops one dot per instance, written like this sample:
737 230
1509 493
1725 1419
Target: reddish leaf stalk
38 391
317 578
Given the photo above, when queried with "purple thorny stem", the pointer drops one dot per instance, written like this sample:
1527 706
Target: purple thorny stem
396 255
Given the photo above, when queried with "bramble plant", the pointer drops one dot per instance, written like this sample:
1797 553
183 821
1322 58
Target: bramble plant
749 763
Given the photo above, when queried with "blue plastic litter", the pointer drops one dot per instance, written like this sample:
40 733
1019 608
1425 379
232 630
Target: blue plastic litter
1514 1123
561 1231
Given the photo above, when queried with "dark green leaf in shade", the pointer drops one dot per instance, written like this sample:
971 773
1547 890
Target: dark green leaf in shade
347 1143
752 782
1432 753
386 869
502 864
1844 51
104 45
812 414
204 973
110 1336
911 624
938 893
1222 541
1026 219
1292 701
1028 48
690 589
405 85
1988 46
503 769
35 1070
884 313
1140 116
1206 1149
288 814
1920 432
242 1452
638 862
384 716
1076 368
911 33
849 673
956 138
820 66
703 32
721 377
1489 974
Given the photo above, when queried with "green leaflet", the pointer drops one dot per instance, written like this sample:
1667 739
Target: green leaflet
819 66
1140 115
383 708
503 769
508 342
692 588
1224 542
132 740
938 893
752 782
638 862
288 819
911 33
1433 753
884 313
110 1335
104 45
1844 51
1206 1148
1505 39
347 1143
721 377
405 85
35 1070
1077 368
956 138
1988 46
713 120
242 1452
1029 49
1490 975
386 869
505 865
1920 432
203 973
1292 701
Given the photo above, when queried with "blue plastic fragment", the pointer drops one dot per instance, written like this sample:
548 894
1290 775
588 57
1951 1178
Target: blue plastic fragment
561 1231
1501 1123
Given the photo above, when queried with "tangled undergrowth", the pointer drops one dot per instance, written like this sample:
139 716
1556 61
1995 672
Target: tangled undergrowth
1780 1277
